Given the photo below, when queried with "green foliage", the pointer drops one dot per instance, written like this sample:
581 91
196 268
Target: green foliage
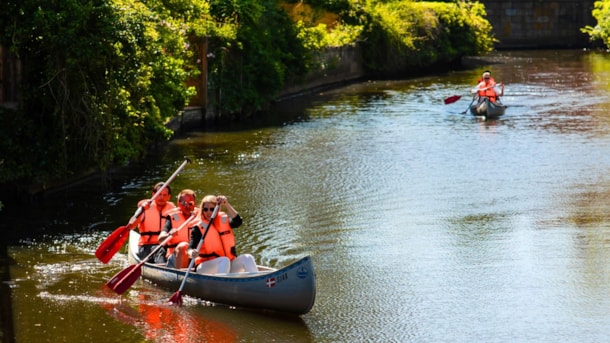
320 37
249 70
409 34
100 78
601 31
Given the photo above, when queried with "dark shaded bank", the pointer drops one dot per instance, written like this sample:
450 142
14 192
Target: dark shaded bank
7 333
346 69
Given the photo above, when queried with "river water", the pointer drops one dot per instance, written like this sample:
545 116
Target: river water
424 224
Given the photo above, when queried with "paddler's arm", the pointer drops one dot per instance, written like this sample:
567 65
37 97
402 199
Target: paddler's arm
236 220
195 237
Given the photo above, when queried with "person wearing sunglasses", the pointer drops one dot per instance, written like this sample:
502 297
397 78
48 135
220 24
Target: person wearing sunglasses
177 246
218 254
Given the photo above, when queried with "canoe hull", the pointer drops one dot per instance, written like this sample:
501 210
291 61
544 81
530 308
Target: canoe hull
290 289
488 109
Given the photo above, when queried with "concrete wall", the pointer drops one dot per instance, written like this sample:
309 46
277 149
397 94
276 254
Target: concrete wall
540 24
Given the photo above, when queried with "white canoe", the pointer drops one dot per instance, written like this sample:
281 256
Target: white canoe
291 289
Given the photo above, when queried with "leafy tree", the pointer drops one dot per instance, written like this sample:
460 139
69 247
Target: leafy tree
407 35
248 71
601 31
100 78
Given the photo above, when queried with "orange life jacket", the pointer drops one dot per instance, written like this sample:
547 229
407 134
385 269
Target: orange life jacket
487 89
152 223
220 240
177 218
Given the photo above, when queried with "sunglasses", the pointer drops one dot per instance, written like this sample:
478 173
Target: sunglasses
187 203
206 209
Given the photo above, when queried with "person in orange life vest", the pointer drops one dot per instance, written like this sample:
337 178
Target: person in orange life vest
151 221
178 245
218 254
486 88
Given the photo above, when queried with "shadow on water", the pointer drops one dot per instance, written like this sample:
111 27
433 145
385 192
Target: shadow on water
7 334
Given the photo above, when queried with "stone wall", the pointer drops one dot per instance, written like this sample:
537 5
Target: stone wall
339 65
540 24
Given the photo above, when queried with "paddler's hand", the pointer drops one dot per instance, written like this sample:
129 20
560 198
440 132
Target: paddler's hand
221 200
192 253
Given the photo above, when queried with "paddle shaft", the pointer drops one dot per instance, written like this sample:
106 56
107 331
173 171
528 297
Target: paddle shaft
125 278
162 244
192 262
472 102
486 88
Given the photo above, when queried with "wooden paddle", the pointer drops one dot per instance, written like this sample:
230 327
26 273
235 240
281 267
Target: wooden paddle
117 238
176 298
126 277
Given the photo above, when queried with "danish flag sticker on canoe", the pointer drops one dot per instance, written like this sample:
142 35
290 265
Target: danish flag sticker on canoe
271 282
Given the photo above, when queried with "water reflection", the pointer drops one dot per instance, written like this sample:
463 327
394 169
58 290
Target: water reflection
162 322
424 224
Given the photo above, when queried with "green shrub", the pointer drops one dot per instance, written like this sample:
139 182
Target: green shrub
100 79
404 35
601 31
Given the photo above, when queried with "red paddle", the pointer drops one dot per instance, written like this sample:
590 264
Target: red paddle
126 277
452 99
176 298
112 244
117 238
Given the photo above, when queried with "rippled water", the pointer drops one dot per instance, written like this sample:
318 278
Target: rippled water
424 224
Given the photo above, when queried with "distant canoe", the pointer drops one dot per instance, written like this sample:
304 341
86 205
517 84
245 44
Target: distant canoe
488 109
291 289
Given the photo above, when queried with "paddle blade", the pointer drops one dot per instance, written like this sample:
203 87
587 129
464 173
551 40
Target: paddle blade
176 299
112 244
452 99
125 278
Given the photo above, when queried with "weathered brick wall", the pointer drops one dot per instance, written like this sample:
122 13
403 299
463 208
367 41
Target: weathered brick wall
540 24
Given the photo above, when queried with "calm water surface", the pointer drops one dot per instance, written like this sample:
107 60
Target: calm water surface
424 224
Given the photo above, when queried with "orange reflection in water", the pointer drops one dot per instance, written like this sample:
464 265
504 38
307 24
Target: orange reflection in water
164 322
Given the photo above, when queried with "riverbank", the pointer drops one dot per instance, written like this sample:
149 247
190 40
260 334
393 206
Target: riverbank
344 67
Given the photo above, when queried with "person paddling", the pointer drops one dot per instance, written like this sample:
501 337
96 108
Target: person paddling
218 254
486 88
151 222
178 245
